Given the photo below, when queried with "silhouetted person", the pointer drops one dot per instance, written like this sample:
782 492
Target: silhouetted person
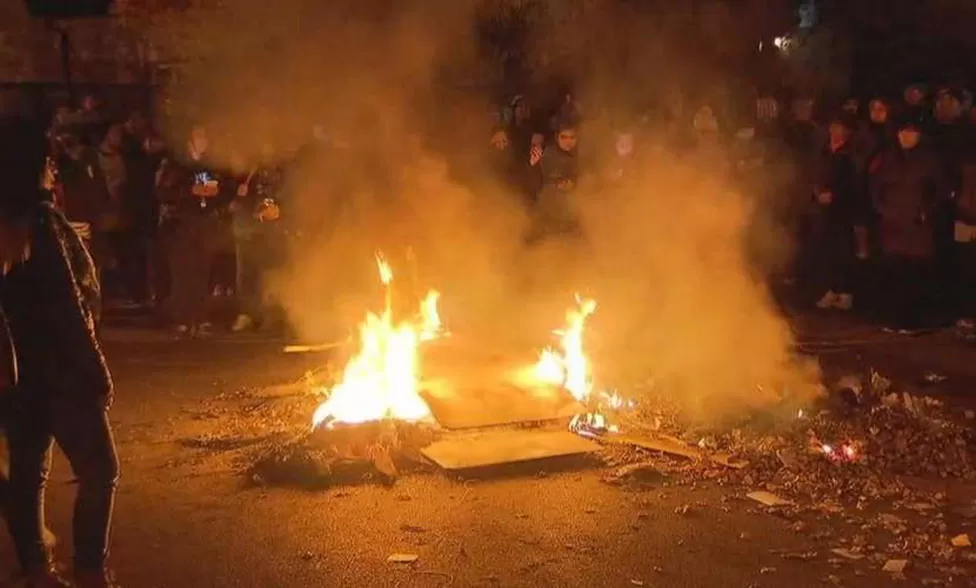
63 388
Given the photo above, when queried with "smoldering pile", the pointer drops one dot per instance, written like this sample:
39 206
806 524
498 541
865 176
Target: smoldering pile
345 454
856 444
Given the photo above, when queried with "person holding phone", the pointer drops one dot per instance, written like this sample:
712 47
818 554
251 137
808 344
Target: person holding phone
190 191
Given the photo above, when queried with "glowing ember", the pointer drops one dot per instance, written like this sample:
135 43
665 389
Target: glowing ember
592 424
845 452
568 367
380 381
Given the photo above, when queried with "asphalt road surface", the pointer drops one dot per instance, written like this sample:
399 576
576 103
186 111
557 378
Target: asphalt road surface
187 516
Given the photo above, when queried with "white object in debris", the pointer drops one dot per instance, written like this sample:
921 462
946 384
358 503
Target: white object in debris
895 566
768 498
403 558
961 541
846 553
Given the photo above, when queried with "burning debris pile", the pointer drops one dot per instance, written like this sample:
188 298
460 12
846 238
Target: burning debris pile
376 451
373 422
381 381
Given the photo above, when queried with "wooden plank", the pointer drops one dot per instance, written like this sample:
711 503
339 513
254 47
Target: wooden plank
507 446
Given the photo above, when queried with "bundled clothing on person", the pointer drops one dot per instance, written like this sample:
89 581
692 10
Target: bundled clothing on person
841 208
57 388
560 172
908 190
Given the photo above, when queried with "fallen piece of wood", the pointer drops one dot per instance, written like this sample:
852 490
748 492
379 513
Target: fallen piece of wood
314 348
669 446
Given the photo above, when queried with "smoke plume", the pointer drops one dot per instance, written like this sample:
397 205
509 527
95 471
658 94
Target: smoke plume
664 254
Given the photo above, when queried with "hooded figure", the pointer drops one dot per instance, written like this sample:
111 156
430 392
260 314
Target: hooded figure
59 388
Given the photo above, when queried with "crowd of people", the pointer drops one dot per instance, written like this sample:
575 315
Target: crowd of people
168 226
879 197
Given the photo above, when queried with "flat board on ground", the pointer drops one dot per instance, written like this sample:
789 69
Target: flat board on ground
468 388
490 448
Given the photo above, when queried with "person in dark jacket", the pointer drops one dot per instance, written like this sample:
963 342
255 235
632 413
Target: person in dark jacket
964 249
874 136
559 166
840 204
907 191
142 155
518 140
192 197
256 232
62 388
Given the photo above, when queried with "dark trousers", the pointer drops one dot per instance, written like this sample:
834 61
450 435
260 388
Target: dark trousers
85 436
834 263
962 282
252 260
127 252
190 247
908 292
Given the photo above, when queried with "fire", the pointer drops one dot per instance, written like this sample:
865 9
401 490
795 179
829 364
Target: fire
431 327
380 381
568 366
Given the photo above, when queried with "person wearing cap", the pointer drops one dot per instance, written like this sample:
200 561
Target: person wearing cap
907 191
61 387
838 199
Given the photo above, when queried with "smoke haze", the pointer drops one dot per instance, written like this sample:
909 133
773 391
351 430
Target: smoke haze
664 255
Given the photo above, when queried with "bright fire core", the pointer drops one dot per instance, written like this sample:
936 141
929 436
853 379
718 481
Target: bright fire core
568 366
381 380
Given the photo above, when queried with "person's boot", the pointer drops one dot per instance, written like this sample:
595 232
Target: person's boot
97 578
45 577
242 323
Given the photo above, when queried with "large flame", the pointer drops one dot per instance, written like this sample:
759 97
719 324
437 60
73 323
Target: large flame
568 366
380 381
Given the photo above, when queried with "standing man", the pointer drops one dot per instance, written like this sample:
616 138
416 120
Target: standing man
189 190
60 388
907 191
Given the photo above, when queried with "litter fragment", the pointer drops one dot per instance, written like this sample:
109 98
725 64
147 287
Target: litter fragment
640 473
895 566
402 558
636 582
766 571
961 541
728 461
847 553
768 498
